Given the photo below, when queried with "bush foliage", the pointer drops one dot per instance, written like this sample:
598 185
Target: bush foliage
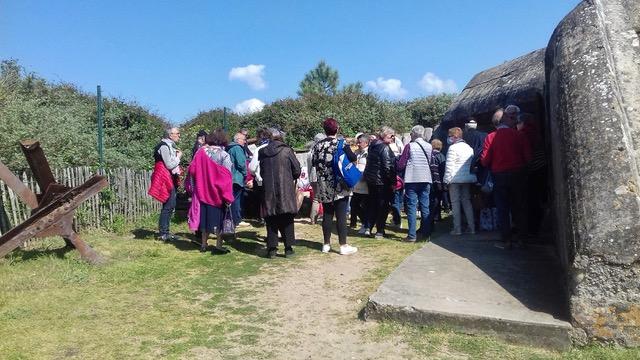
63 119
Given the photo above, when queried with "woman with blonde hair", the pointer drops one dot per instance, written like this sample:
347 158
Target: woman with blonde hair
459 178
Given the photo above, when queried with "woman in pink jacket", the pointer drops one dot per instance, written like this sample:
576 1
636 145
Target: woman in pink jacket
212 189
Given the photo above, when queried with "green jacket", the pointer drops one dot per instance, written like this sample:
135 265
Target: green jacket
239 160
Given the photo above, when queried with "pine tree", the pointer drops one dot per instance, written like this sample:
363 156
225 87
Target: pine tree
323 79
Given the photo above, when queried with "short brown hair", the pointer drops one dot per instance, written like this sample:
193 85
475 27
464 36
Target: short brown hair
217 137
455 131
436 144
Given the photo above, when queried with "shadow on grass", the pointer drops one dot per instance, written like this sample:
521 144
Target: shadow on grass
34 254
143 234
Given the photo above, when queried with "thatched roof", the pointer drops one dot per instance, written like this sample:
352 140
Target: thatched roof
519 81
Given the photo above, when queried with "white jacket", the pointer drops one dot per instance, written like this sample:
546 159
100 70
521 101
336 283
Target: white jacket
458 166
361 187
254 165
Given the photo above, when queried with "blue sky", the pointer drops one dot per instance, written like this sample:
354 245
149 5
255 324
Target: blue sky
178 57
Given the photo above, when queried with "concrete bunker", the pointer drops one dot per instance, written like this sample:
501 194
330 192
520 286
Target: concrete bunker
585 87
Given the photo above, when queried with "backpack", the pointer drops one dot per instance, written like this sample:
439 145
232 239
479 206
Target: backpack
343 169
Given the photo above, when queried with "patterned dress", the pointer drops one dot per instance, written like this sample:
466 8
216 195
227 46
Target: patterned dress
322 160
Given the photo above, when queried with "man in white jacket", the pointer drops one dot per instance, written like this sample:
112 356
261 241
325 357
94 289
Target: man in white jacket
459 178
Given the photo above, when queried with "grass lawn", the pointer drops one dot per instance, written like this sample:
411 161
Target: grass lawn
152 299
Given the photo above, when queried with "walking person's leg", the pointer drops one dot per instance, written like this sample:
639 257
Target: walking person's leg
327 224
424 199
465 199
272 235
165 216
286 227
363 211
353 215
372 206
454 195
341 219
236 204
315 204
411 197
383 204
396 207
501 199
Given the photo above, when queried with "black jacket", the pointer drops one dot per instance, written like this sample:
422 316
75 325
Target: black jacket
279 169
381 165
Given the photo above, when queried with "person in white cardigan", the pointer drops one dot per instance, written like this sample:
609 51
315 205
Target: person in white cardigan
459 178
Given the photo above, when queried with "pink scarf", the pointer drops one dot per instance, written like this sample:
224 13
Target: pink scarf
213 185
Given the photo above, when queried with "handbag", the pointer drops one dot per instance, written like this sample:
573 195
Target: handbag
228 226
343 169
487 186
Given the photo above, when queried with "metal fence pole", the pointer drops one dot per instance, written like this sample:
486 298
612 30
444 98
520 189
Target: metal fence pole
100 131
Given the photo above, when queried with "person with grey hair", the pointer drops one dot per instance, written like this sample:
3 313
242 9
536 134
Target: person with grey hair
416 163
497 117
280 169
380 175
506 152
236 150
166 171
360 192
313 178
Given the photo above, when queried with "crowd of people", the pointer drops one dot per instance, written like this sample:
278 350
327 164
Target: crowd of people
474 174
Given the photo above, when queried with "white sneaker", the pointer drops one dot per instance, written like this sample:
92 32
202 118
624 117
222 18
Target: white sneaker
326 248
367 232
348 249
243 223
379 236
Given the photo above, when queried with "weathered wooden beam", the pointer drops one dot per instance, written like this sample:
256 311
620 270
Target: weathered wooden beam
24 193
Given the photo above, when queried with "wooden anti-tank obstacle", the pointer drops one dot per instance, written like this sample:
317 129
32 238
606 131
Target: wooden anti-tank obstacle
53 210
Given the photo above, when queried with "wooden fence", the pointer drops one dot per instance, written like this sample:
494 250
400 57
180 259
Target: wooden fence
125 199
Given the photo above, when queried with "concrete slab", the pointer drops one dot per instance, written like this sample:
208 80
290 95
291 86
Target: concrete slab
469 284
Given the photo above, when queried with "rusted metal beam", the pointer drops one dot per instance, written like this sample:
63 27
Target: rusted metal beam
38 163
55 218
14 183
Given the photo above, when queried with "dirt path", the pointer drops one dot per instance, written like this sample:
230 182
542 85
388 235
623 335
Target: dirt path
313 308
317 310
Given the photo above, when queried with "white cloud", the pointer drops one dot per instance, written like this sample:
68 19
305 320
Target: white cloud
391 87
251 74
249 106
432 84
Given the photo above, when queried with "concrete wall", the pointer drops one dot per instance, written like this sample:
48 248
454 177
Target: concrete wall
593 101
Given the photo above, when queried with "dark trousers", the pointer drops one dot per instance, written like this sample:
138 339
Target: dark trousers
435 206
508 192
536 199
379 199
166 212
339 208
282 223
358 204
236 205
396 206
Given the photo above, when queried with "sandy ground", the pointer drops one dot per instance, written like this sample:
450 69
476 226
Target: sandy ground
314 308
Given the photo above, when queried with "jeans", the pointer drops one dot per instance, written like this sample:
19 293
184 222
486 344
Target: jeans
358 210
396 206
166 212
508 192
418 193
236 205
339 207
284 224
461 197
379 199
